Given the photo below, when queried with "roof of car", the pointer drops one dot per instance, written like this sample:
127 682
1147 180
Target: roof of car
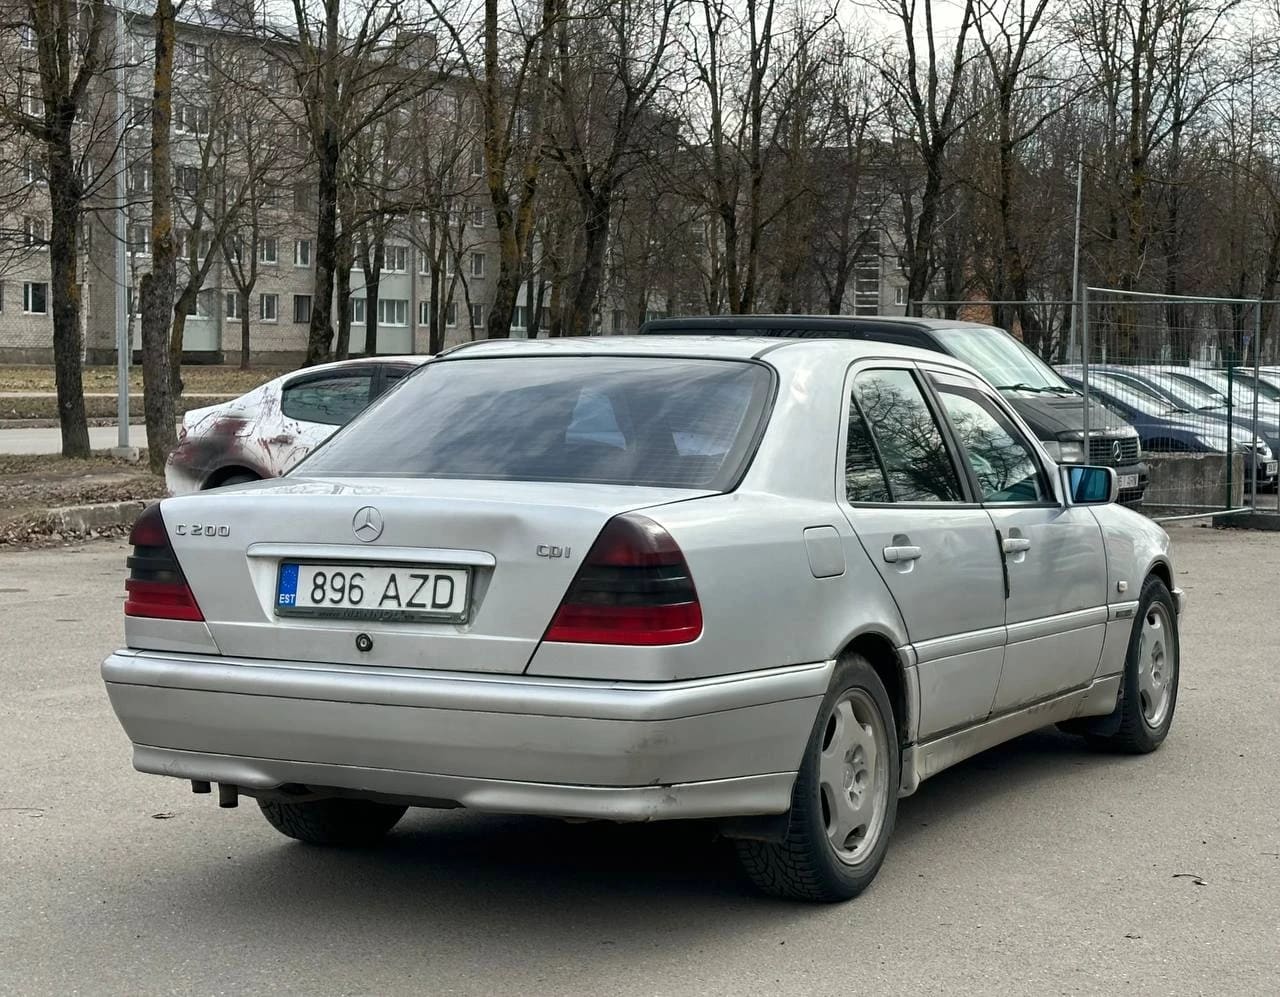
815 323
727 347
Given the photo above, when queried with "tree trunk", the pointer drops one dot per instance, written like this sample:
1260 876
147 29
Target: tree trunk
342 295
64 198
595 240
328 154
244 329
372 285
157 287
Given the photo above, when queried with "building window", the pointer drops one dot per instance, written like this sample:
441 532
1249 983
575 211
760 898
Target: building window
33 232
140 240
269 307
233 304
302 201
357 311
138 177
424 313
477 316
269 250
451 314
190 119
477 264
393 311
139 111
302 253
35 298
301 309
35 171
188 55
27 37
518 318
396 259
33 103
899 295
477 162
1 297
478 216
424 265
186 180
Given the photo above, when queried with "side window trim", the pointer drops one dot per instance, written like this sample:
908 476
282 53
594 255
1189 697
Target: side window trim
1047 479
954 454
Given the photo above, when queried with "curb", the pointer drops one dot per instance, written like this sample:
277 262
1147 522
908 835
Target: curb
100 516
1268 522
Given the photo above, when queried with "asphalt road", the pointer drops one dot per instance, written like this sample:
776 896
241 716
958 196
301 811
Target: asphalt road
49 439
1037 868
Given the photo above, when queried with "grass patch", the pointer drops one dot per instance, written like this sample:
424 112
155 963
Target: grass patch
46 407
196 379
31 484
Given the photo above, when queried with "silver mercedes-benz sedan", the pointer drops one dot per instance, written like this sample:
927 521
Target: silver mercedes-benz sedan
772 583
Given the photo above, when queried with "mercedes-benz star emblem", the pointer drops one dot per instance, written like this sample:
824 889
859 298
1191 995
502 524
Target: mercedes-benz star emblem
1117 449
367 524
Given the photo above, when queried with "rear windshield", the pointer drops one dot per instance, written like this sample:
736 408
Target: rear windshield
617 420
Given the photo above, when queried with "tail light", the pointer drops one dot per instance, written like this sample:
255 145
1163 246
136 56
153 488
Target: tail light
156 586
633 588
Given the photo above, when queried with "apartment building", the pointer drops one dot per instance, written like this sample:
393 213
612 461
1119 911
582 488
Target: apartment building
229 90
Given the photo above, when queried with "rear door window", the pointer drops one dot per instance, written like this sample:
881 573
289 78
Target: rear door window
670 422
908 439
329 399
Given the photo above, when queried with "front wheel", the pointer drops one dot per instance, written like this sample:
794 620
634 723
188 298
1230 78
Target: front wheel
332 822
845 798
1149 691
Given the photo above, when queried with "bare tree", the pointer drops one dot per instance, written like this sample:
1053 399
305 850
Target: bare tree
157 287
53 92
927 89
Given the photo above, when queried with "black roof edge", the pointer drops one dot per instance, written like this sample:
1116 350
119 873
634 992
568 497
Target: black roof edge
762 324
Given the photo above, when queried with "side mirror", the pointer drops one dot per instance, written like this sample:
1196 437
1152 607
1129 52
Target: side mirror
1086 484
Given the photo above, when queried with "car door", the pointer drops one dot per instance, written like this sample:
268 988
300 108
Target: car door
1054 561
933 545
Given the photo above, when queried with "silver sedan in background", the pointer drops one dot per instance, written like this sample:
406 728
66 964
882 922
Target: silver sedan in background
774 584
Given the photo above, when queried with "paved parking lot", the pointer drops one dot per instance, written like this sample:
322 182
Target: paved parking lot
1038 868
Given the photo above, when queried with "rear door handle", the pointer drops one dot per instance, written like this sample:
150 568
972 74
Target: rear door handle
895 555
1015 545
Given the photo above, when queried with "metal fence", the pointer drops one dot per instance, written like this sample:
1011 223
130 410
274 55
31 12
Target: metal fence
1197 377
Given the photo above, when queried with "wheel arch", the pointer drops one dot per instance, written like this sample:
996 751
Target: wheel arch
219 476
879 649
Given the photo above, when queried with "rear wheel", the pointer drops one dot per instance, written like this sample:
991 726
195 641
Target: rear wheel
845 798
332 822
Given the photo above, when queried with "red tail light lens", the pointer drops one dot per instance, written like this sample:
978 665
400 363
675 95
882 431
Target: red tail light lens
156 586
633 588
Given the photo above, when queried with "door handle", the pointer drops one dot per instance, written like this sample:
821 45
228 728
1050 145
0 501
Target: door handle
896 555
1015 545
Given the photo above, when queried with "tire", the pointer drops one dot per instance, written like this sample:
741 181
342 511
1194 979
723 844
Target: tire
1152 666
332 822
856 714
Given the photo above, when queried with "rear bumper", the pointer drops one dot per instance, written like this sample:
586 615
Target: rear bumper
723 746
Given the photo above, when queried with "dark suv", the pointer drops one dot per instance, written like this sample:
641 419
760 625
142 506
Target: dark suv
1052 408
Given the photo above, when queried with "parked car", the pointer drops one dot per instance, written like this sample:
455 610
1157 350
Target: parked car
1053 410
1240 384
1166 428
1200 401
771 584
265 432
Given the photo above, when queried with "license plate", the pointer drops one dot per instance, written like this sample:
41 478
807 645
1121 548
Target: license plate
379 592
1128 481
1272 466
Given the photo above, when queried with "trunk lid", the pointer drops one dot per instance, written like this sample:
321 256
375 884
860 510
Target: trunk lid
521 543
